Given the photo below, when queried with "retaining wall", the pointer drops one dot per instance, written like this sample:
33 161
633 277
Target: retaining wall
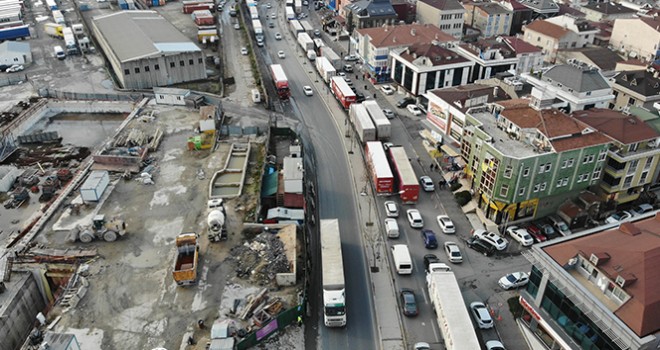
19 306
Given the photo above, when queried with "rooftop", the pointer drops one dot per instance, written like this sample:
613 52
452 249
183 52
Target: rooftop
609 8
501 139
490 8
446 5
489 49
626 129
653 22
134 35
550 29
373 8
431 55
577 76
519 45
642 82
601 57
632 251
541 6
14 46
405 35
459 95
568 10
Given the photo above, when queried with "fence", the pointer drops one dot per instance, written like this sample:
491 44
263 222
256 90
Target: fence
69 95
13 79
283 320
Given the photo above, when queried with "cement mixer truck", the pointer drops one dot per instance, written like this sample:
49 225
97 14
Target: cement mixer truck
216 221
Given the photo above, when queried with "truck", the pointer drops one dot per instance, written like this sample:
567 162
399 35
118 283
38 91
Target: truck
383 125
216 221
342 91
305 42
54 30
289 13
453 318
325 69
318 45
254 13
405 179
281 81
187 255
69 41
362 123
334 303
13 33
203 18
190 8
307 27
379 168
297 6
289 3
332 56
108 230
58 17
258 29
295 27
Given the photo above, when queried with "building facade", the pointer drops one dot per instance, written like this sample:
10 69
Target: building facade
639 88
14 52
369 14
491 56
489 17
606 11
520 15
637 37
444 14
559 33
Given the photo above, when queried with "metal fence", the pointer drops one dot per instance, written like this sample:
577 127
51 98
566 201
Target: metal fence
70 95
13 79
283 320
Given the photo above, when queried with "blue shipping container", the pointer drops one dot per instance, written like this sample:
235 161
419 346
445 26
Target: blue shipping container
14 33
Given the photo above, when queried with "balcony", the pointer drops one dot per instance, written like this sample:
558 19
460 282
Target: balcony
622 156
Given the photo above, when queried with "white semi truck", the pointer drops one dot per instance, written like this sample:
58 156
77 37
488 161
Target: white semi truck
334 290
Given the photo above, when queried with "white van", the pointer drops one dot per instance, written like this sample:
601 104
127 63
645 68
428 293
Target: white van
256 96
402 260
391 228
59 52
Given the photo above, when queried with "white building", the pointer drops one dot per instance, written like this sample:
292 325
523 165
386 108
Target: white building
637 37
171 96
444 14
13 52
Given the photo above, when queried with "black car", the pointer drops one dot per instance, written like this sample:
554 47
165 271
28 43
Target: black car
359 97
3 67
404 102
408 302
481 246
430 259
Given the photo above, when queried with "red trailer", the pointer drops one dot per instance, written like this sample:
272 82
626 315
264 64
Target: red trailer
342 92
406 179
379 168
203 18
190 8
281 81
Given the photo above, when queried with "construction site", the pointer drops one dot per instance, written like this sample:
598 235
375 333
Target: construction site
138 225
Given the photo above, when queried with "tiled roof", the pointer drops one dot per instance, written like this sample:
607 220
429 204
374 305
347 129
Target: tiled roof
626 129
491 8
602 57
579 77
547 28
373 8
568 10
517 6
609 8
405 35
462 93
435 54
541 5
641 81
519 45
634 250
653 22
446 5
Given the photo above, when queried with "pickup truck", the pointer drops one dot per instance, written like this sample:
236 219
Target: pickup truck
187 257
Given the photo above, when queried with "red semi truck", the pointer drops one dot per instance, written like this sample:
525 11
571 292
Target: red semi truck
280 80
406 179
379 168
342 92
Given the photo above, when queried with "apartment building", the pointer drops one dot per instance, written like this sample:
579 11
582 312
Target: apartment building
444 14
489 17
559 33
640 88
637 37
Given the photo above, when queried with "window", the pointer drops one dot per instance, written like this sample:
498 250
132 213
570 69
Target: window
504 190
536 187
127 72
181 63
541 168
146 68
619 294
592 157
570 163
521 192
190 62
559 183
633 147
627 181
564 182
548 167
631 101
642 178
585 159
649 161
508 171
526 172
156 67
172 64
564 164
543 185
601 155
633 165
596 173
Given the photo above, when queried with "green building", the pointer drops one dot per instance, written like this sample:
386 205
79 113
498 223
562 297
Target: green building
523 162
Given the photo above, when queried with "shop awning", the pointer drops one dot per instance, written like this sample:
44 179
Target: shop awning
449 151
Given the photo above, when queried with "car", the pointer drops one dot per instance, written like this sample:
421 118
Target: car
268 6
350 58
404 102
387 145
220 7
391 209
244 51
453 252
392 228
481 315
480 245
514 280
559 225
348 68
237 26
387 89
641 209
414 109
618 217
3 67
308 90
430 259
15 68
271 25
422 346
305 3
341 74
388 113
547 229
273 16
521 235
430 242
491 237
359 97
446 224
348 80
260 42
427 183
536 233
281 54
408 302
317 33
494 345
415 218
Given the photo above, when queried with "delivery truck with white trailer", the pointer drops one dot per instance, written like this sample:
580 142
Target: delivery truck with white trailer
305 42
383 125
363 125
325 68
334 302
332 56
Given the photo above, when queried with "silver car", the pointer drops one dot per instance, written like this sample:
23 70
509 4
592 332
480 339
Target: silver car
453 252
391 209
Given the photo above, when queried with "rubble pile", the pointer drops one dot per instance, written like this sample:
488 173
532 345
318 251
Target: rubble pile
261 258
49 155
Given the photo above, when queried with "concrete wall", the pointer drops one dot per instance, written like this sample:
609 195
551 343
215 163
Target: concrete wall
19 306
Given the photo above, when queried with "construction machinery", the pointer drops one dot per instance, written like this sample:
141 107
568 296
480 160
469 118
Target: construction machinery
108 230
216 221
187 256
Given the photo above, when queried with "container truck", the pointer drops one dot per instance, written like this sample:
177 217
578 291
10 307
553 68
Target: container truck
362 123
281 81
289 13
203 18
69 41
305 41
318 44
379 167
383 125
295 27
187 256
289 3
13 33
453 318
258 29
405 179
307 27
190 8
54 30
254 13
342 91
58 17
325 69
334 304
297 6
330 54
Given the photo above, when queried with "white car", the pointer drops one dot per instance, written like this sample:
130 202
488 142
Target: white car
427 183
387 89
308 90
244 51
350 58
453 252
493 238
15 68
273 16
481 315
237 26
391 209
521 235
415 218
494 345
388 113
268 6
414 110
278 36
514 280
446 224
422 346
281 54
618 217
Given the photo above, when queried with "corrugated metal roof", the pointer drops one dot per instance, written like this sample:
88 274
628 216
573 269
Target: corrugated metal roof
13 46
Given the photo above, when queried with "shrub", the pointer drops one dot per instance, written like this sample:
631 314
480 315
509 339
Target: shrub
463 197
455 186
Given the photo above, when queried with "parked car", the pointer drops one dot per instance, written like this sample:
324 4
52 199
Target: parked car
422 346
414 109
348 68
430 242
351 58
514 280
415 218
359 97
272 25
480 245
392 228
546 229
453 252
536 233
559 225
494 345
15 68
521 235
430 259
408 302
388 113
491 237
642 209
387 89
427 183
481 315
446 224
404 102
391 209
618 217
308 90
4 67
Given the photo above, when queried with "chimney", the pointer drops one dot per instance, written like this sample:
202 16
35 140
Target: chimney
629 228
412 32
